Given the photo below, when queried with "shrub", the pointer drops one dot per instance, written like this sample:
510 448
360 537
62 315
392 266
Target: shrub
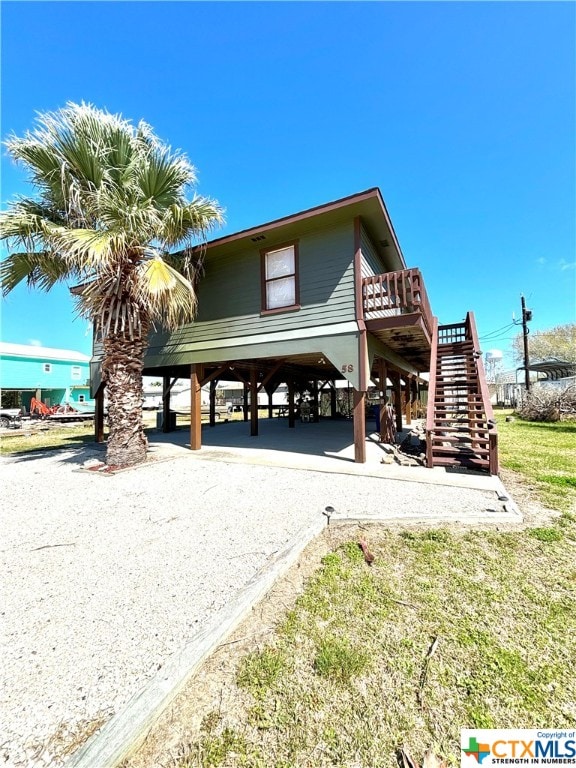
543 404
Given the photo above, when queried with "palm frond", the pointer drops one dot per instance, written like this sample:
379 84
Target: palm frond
92 249
40 270
181 223
25 225
162 177
169 297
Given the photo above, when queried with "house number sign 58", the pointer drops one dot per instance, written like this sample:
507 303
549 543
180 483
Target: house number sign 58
348 368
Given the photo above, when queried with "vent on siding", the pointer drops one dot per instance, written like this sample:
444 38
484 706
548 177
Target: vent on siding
257 238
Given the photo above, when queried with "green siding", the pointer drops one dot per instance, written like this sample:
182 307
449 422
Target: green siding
229 294
371 261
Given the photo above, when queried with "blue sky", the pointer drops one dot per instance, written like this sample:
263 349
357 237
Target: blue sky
462 113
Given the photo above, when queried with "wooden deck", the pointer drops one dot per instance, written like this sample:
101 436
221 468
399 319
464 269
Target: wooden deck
397 311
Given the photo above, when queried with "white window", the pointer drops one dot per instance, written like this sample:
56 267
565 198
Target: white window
280 278
76 372
47 367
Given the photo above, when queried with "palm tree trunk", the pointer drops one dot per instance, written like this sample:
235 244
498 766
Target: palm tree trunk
122 371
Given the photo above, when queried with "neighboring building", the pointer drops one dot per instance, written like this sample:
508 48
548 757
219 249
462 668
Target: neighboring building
54 376
553 374
323 297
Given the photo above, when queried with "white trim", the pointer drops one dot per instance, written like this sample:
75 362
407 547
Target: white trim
41 353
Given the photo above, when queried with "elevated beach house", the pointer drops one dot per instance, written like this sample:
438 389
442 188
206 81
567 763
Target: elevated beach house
320 297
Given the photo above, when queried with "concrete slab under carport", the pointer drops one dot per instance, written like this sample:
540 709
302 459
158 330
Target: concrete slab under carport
326 446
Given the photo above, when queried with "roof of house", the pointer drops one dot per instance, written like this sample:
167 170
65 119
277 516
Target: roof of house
41 353
368 205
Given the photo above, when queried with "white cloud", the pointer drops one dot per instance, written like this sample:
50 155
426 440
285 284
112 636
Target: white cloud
34 342
564 265
541 260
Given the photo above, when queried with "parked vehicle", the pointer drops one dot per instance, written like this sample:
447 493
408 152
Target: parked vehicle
10 418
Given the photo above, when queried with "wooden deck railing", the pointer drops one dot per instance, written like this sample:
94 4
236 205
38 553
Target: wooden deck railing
472 334
431 392
393 293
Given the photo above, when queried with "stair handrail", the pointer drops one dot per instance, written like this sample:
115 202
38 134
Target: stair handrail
486 402
431 391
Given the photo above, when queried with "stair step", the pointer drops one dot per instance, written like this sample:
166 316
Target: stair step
463 440
462 391
439 450
474 427
463 429
448 461
458 347
465 381
443 405
455 373
459 405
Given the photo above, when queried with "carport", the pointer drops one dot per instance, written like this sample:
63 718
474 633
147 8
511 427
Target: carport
313 373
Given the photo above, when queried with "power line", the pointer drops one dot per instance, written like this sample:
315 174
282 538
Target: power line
493 334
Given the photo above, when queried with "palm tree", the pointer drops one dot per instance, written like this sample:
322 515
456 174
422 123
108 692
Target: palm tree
111 210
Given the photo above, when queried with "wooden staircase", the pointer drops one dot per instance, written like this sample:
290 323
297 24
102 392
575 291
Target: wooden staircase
460 427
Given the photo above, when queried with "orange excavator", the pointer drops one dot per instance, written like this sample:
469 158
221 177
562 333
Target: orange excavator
40 408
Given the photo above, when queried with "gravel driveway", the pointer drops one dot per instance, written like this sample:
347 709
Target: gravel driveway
104 577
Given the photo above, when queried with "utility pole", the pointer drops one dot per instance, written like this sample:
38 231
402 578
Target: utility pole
526 316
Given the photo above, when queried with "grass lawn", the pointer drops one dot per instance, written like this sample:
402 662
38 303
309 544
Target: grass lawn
40 436
448 629
545 454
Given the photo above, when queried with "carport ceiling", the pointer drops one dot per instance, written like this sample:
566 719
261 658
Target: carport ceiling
296 367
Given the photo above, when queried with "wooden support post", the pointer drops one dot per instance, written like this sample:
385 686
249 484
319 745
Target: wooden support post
196 374
245 402
291 420
397 400
414 398
382 379
315 402
213 402
254 403
408 405
332 400
166 404
270 392
359 427
99 415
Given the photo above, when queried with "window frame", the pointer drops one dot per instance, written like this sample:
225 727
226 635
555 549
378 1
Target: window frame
264 282
76 372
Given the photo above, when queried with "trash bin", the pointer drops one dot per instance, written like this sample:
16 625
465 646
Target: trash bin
160 420
376 410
